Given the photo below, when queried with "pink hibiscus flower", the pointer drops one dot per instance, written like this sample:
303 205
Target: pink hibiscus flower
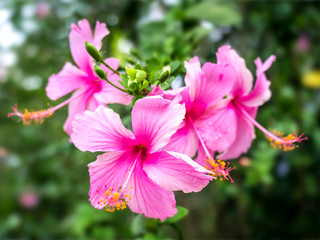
135 170
91 91
239 109
205 88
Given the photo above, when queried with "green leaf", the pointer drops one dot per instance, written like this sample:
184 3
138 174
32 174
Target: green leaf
131 59
174 66
145 84
138 226
195 35
150 236
182 212
217 12
167 84
85 215
135 53
103 233
124 80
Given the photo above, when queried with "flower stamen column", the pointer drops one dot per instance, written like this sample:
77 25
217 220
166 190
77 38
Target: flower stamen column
277 140
218 167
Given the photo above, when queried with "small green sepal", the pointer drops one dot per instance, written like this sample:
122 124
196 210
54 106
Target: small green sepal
133 85
124 80
145 84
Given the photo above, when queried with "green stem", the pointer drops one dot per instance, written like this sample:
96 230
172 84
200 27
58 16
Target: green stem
178 230
114 71
115 85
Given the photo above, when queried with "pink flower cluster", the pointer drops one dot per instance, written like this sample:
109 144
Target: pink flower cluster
213 114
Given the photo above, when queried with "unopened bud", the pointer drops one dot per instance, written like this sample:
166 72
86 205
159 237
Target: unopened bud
141 75
164 76
93 51
131 73
100 72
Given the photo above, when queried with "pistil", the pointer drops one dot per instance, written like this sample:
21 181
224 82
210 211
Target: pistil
218 167
277 139
38 116
117 199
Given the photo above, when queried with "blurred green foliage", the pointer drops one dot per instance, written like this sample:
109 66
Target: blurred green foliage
275 194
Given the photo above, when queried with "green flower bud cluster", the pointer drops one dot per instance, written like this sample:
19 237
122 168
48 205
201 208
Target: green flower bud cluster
137 79
136 75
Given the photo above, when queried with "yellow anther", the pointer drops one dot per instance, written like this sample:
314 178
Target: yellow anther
284 143
116 196
114 200
218 168
29 116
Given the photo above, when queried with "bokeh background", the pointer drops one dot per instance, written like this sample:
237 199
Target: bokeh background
44 181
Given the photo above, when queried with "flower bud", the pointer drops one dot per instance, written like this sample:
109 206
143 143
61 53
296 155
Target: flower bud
141 75
93 51
131 73
164 76
100 72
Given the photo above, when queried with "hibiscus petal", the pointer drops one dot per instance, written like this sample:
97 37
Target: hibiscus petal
155 120
185 96
101 130
261 92
218 128
193 76
67 80
149 198
244 137
202 156
216 82
157 90
109 170
77 37
109 94
175 171
78 105
243 83
184 140
99 33
181 95
92 104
